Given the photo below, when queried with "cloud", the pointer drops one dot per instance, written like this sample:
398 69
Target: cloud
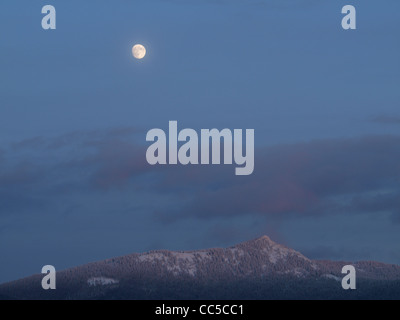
386 119
39 172
336 253
116 162
388 201
315 178
304 179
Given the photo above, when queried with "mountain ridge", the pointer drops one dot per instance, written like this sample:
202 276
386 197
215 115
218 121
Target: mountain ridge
152 274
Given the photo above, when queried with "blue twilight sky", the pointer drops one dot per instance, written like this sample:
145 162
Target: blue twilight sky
75 108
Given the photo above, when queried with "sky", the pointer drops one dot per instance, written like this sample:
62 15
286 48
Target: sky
75 107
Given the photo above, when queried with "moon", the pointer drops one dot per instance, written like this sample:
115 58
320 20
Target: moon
138 51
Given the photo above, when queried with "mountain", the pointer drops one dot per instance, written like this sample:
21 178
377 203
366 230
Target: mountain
257 269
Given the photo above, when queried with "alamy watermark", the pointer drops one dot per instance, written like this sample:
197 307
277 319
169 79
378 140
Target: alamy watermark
348 22
49 280
193 151
349 280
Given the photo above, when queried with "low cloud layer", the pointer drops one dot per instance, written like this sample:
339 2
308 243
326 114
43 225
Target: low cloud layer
314 178
386 119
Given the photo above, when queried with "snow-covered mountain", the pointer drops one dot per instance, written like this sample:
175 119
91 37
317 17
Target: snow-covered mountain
255 269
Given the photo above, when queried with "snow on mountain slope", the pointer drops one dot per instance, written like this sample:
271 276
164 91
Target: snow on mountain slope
156 271
101 281
260 256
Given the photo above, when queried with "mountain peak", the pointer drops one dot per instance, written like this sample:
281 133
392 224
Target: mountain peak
260 241
155 274
264 238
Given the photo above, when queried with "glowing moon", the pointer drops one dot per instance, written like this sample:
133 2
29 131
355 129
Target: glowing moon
138 51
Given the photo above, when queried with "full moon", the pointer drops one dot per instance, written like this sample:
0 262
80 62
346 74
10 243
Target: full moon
138 51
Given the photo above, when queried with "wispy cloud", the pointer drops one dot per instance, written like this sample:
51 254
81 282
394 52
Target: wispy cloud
386 119
315 178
